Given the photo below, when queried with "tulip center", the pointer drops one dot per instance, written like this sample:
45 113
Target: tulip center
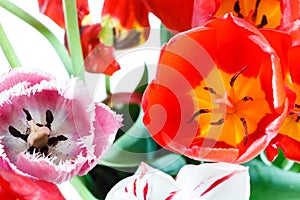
37 136
226 100
239 109
262 13
291 125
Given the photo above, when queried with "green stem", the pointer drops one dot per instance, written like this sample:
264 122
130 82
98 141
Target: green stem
73 37
8 50
81 188
107 85
26 17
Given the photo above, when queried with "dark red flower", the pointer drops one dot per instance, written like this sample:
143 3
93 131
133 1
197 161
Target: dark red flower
130 21
14 186
98 57
218 93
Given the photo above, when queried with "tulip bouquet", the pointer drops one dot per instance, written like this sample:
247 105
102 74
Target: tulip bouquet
214 113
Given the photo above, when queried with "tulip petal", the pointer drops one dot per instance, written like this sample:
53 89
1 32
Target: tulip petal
14 186
130 21
146 183
98 58
214 181
54 10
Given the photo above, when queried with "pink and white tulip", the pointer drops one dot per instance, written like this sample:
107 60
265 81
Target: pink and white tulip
206 181
51 129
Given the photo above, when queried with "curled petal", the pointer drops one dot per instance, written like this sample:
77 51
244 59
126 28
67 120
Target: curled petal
288 139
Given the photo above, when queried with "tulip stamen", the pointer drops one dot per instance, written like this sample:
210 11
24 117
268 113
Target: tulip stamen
237 9
199 112
247 98
243 120
254 15
211 90
298 119
37 135
264 21
236 75
219 122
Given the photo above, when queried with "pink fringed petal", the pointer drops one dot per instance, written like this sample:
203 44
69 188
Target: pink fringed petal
106 125
13 77
82 140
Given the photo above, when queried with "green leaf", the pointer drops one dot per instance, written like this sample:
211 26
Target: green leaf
8 50
131 148
170 163
270 182
73 37
81 188
141 86
165 35
26 17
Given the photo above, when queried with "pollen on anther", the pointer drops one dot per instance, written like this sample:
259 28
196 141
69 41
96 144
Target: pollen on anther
244 122
219 122
211 90
264 21
199 112
247 98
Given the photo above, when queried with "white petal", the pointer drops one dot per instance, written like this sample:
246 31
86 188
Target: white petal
213 181
146 184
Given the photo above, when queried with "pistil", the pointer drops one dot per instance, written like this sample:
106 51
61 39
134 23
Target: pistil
38 136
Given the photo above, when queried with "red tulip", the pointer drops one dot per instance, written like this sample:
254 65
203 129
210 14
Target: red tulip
14 186
218 93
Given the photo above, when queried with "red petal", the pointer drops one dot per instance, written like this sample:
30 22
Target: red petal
175 15
98 57
130 20
289 146
127 11
294 63
14 186
54 10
